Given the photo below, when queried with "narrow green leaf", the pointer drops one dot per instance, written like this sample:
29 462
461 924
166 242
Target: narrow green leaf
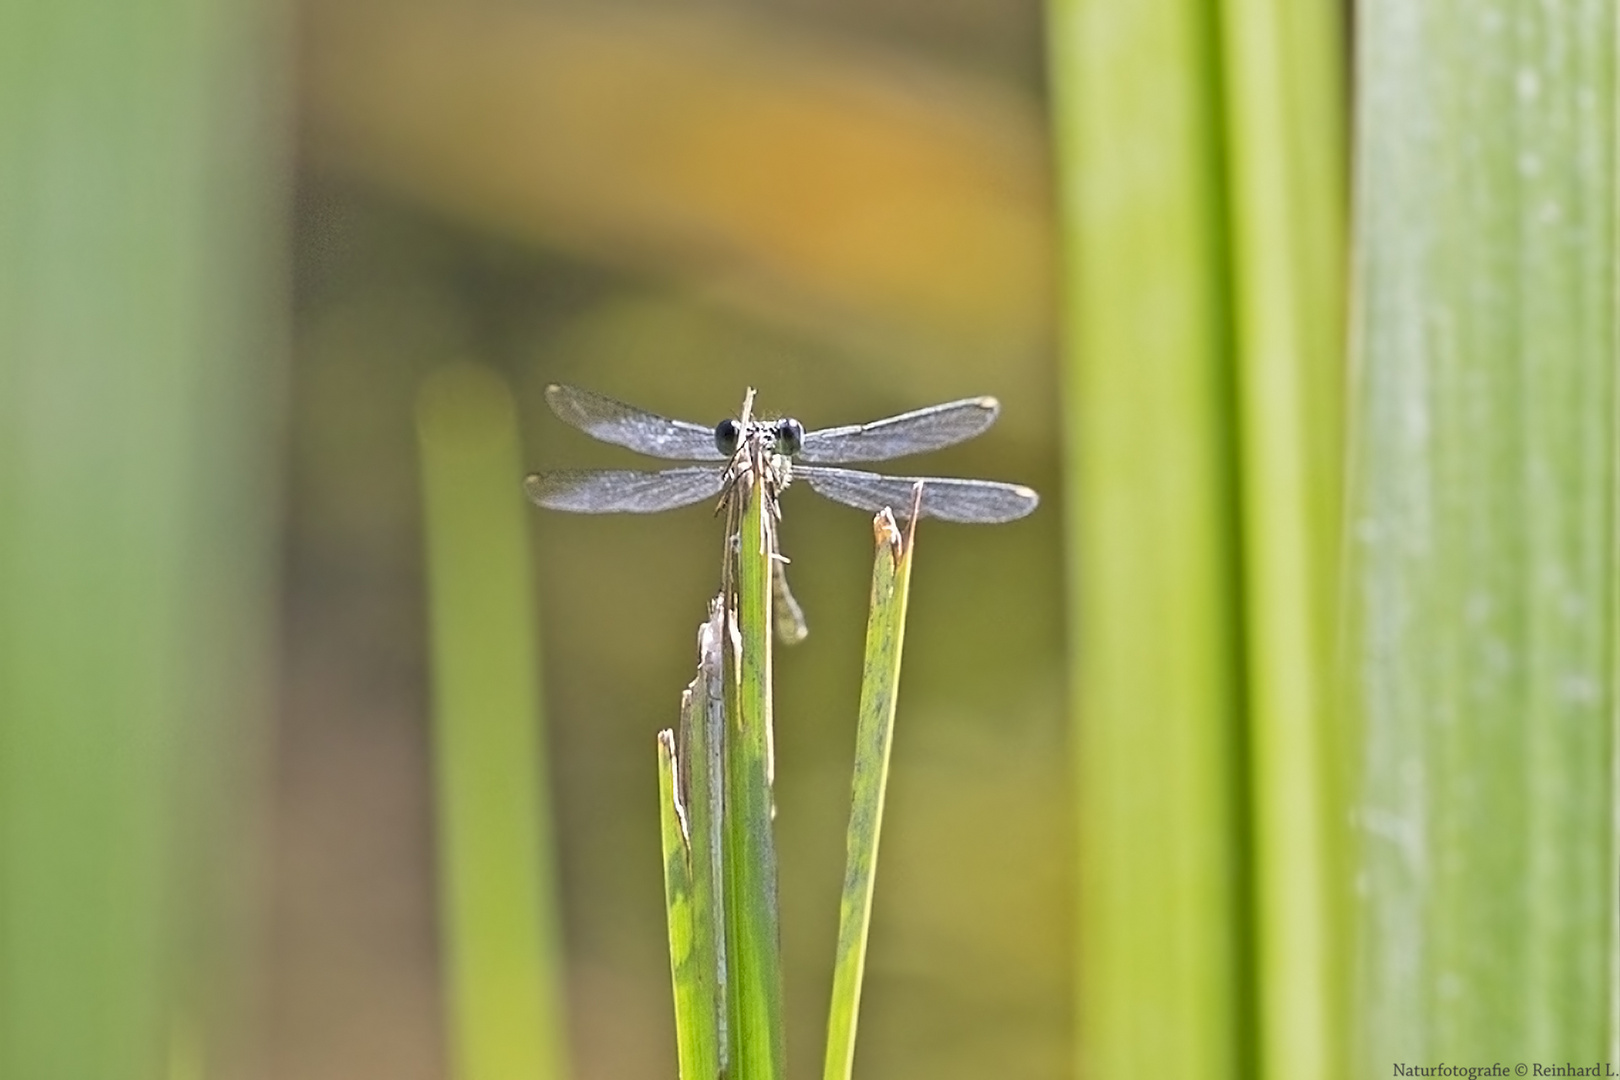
690 969
1482 655
1283 107
1152 530
495 864
691 811
880 684
685 966
753 947
706 786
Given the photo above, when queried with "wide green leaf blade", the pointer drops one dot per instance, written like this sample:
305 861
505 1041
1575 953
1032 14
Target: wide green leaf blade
1482 653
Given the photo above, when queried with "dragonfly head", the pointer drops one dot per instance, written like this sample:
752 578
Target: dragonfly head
786 436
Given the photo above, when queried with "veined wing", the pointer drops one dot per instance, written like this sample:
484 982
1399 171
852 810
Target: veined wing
909 433
622 491
980 502
615 422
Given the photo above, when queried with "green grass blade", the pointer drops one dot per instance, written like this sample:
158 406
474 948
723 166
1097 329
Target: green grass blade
142 179
1483 650
706 785
880 684
1283 108
685 968
753 947
495 865
691 811
691 967
1153 540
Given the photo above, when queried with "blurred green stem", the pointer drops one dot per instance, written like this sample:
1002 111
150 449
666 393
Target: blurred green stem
495 862
1284 105
1153 554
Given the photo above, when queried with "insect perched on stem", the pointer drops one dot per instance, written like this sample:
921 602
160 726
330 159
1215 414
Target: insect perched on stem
779 452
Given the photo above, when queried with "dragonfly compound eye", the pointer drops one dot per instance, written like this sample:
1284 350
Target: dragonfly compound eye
789 437
726 434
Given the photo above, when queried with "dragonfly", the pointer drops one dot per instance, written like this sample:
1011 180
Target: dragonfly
778 451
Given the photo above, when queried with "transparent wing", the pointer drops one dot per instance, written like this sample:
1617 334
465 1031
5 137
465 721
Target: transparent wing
981 502
622 491
909 433
625 425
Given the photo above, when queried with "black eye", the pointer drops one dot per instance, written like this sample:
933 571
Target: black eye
789 437
726 433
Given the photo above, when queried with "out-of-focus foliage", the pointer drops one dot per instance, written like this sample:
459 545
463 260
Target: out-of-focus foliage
497 889
1284 99
1153 542
1204 217
1470 734
141 241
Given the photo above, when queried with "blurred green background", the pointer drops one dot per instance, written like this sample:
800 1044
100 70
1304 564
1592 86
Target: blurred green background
1283 730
